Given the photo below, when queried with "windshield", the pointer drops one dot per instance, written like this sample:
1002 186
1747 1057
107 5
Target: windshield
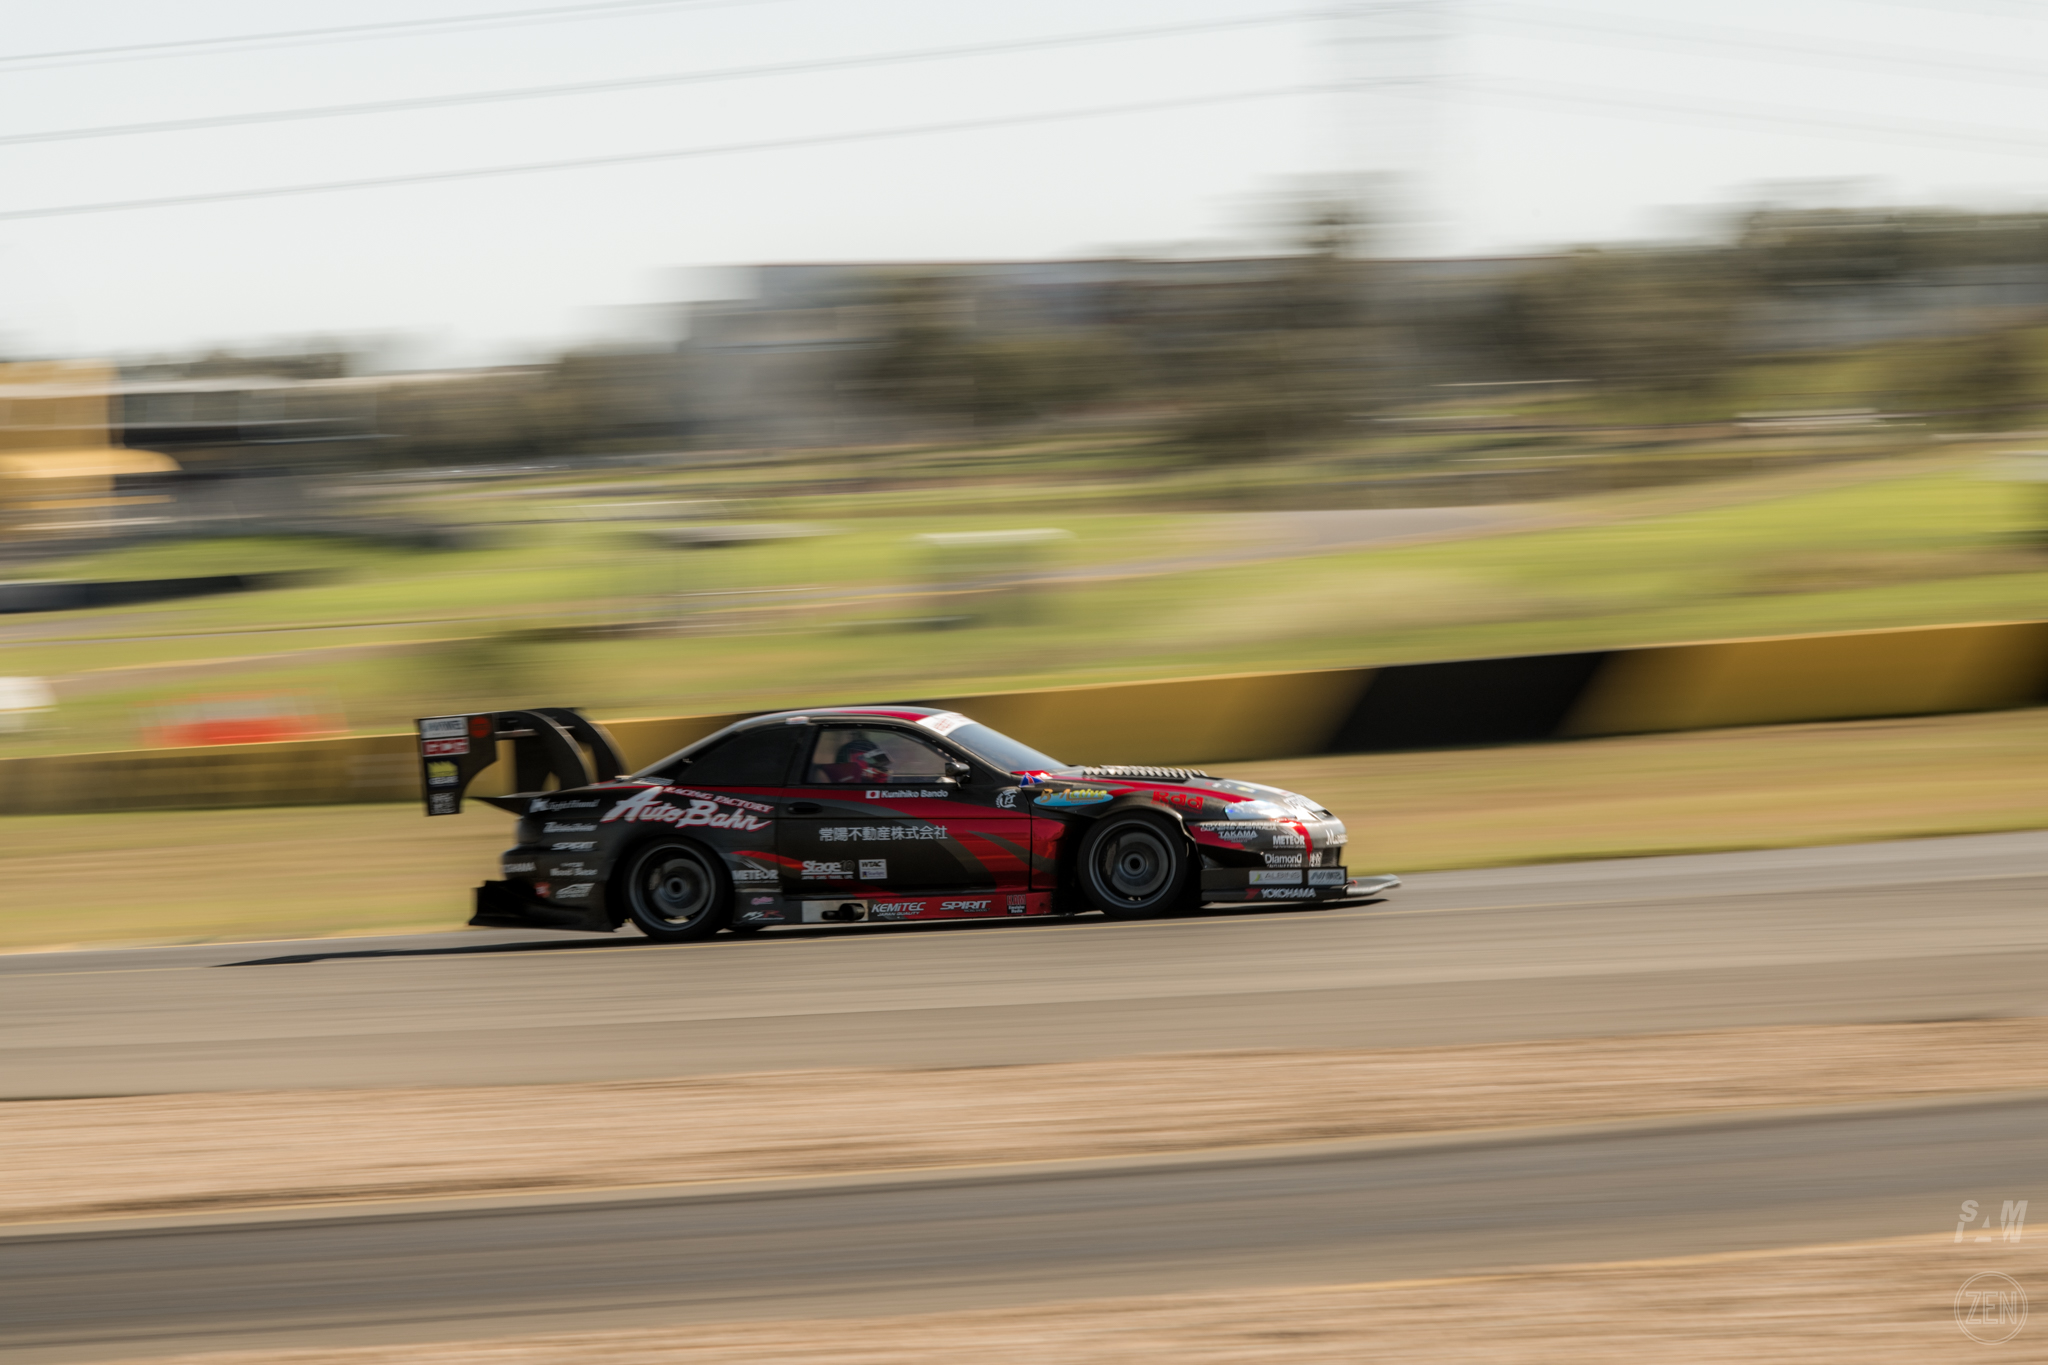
1000 750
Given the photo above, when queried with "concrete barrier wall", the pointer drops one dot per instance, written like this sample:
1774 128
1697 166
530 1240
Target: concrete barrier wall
1842 676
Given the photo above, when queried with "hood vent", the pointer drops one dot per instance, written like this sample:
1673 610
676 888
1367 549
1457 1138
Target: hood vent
1146 774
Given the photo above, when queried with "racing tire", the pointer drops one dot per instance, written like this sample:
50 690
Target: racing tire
1136 866
676 893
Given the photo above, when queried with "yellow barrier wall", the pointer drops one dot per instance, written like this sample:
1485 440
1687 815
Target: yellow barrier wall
1182 721
1814 677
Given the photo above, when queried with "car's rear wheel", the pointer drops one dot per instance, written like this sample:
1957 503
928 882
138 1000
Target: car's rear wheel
1136 866
675 893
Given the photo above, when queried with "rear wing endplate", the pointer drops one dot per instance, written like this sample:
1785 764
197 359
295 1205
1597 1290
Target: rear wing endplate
547 742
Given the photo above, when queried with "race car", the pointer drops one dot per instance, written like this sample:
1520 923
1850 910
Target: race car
862 813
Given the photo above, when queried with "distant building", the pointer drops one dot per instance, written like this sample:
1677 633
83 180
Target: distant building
62 473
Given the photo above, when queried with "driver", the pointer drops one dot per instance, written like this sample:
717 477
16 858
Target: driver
859 760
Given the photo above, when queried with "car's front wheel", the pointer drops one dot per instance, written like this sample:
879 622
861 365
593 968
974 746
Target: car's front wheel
1136 866
675 893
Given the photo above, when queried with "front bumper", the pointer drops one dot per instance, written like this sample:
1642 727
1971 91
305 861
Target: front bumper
1231 886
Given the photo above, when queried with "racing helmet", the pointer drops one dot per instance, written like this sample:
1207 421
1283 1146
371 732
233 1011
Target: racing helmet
867 759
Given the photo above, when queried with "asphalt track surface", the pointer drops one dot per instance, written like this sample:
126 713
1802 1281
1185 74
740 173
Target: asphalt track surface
1925 930
1929 929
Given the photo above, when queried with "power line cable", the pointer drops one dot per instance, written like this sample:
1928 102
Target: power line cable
675 154
1834 52
650 82
1769 116
400 28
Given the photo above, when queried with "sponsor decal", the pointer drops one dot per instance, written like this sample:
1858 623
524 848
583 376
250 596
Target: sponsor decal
1182 800
583 847
545 890
762 900
1255 810
1236 834
480 726
1241 788
1289 841
1033 779
1283 860
880 794
725 800
945 723
967 907
552 828
900 910
540 804
874 869
1337 840
442 774
1007 799
1017 905
519 867
1327 876
648 806
1286 893
441 803
753 874
1263 877
827 871
443 727
853 834
431 747
571 870
580 891
1074 796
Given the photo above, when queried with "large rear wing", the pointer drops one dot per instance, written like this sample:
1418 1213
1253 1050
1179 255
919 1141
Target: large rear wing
547 741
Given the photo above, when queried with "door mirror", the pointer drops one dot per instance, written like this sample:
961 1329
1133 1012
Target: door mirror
957 770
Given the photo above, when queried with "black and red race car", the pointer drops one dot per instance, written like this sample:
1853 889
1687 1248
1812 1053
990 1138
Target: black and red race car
852 813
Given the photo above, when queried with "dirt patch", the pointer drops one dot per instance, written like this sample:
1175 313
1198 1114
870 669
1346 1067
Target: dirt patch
173 1153
1885 1303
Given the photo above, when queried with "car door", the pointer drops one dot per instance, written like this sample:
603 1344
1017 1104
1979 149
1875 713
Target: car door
730 797
883 815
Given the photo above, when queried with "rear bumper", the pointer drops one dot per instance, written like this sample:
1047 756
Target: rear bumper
506 905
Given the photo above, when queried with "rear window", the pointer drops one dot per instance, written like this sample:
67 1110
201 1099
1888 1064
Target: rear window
751 758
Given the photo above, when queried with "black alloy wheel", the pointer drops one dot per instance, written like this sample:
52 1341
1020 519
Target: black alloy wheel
677 894
1136 866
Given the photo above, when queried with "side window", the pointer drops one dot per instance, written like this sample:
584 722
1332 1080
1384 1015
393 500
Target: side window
751 758
872 758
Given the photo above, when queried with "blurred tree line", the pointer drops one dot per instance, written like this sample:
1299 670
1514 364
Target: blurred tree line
1258 357
1266 355
1308 344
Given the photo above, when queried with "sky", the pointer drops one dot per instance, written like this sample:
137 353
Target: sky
1490 126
